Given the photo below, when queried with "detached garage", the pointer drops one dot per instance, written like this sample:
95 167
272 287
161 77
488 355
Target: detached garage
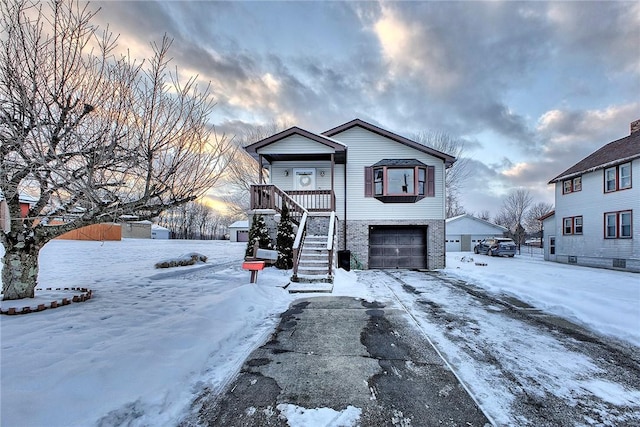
465 231
398 246
239 231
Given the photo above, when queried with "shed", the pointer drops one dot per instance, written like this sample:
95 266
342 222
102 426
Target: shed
136 230
465 231
239 231
159 232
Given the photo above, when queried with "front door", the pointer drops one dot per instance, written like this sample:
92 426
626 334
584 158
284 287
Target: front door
304 179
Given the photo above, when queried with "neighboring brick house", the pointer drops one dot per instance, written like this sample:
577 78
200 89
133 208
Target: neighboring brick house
597 208
386 192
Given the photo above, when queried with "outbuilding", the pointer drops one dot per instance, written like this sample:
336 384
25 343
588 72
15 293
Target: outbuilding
239 231
159 232
465 231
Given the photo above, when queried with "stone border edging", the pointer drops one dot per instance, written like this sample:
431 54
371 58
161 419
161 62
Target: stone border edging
85 295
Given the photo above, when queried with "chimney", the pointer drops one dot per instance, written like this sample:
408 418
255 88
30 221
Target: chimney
635 127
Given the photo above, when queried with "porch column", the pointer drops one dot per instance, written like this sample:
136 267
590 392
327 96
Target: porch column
260 178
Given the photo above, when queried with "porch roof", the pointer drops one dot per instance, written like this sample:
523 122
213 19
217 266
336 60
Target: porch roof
339 149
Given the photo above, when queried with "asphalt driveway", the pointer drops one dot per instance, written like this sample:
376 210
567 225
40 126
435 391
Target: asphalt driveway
339 352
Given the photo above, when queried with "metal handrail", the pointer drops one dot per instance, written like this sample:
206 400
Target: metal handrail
298 242
330 237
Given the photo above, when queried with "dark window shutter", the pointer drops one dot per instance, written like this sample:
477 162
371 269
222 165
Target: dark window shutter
368 181
431 181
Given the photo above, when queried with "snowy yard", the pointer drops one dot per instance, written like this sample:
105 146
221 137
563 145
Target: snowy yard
151 339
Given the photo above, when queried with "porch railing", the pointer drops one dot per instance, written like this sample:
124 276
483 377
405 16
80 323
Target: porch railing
315 200
269 196
331 240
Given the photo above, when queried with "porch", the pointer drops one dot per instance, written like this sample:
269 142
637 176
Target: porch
313 213
269 196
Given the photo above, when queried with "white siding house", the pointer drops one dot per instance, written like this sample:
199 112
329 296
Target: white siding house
597 208
386 191
465 231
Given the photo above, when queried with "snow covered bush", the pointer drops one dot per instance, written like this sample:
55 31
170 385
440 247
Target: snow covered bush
284 240
258 233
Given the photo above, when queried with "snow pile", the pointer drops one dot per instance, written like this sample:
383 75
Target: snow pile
182 260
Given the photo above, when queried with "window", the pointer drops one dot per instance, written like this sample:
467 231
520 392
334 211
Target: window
399 181
572 225
577 225
617 225
552 245
617 178
572 185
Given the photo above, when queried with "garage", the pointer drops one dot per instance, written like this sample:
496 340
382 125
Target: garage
398 246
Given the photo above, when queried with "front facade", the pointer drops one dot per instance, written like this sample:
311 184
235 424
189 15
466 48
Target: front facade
387 192
465 231
597 208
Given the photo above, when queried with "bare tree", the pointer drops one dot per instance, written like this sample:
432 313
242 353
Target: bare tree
532 218
512 213
244 170
91 136
456 174
484 215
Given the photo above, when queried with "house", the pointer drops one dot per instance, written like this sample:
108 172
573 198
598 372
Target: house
375 196
159 232
597 208
26 202
465 231
239 231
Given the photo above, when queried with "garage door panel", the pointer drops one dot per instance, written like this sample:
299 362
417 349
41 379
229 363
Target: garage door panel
397 247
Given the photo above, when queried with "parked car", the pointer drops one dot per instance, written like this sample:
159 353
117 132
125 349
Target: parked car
497 246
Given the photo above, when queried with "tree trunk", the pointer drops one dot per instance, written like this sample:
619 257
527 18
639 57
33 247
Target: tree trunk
19 271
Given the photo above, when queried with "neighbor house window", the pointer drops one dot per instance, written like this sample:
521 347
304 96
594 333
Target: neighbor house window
617 225
572 185
399 181
572 225
617 178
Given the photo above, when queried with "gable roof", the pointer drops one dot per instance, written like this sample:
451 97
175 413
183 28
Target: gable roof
473 218
338 146
622 150
448 160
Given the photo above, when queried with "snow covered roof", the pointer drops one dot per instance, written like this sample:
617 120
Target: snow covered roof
473 218
240 224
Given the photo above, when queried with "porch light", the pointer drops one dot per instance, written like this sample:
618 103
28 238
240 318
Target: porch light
321 173
286 172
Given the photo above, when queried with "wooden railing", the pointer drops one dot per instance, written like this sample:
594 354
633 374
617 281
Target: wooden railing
315 200
268 196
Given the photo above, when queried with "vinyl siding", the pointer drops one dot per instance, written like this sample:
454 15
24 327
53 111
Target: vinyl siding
295 144
322 182
591 203
367 148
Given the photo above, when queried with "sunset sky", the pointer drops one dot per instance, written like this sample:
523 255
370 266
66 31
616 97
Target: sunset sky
531 87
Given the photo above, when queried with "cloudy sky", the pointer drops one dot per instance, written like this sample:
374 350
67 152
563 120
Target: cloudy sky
531 87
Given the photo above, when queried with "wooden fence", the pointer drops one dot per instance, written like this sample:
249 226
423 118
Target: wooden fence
98 232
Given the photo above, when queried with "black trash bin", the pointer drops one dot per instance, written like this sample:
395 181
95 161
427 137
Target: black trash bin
344 260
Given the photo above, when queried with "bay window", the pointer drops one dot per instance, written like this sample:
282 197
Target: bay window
399 181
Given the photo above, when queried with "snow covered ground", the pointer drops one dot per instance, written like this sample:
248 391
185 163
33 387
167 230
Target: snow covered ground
150 340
